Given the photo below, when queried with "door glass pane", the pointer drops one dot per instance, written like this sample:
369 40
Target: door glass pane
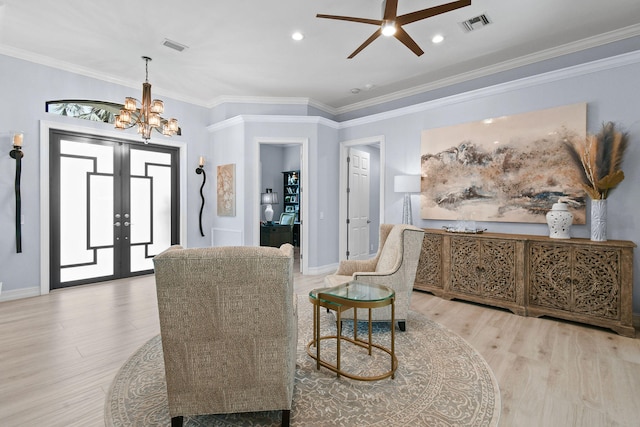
86 207
101 210
150 206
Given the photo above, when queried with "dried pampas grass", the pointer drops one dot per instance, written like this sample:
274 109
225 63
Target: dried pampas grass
599 158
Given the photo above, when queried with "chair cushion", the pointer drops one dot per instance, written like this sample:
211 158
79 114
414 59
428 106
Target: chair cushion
336 279
390 251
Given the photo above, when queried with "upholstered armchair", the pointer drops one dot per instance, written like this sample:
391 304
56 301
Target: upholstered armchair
228 321
394 265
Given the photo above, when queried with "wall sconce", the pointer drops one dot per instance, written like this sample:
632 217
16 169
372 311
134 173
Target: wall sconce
268 199
200 171
16 153
406 184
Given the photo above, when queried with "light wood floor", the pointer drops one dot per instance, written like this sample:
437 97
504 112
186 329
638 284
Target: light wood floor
59 353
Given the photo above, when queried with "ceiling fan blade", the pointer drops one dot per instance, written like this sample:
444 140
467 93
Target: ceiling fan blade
432 11
390 10
351 19
406 39
366 43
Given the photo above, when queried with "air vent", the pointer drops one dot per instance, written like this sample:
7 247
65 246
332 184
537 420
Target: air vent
174 45
475 23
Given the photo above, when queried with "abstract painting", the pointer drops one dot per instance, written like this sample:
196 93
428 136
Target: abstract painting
507 169
227 190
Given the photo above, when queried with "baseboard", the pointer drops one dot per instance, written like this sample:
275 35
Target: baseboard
19 293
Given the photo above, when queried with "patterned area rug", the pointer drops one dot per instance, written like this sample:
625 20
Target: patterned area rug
441 381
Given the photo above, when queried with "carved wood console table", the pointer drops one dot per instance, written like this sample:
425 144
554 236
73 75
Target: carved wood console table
573 279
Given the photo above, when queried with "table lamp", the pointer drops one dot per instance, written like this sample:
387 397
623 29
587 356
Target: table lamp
269 198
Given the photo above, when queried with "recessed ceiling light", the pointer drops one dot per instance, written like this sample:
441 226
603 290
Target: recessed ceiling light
297 36
438 38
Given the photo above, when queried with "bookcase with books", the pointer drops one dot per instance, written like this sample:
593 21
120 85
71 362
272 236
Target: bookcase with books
291 193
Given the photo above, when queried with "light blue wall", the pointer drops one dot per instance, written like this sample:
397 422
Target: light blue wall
272 161
611 88
25 87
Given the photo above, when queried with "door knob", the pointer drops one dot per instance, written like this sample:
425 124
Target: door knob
126 223
117 224
117 215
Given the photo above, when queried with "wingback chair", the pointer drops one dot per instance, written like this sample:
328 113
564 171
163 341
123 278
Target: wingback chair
228 322
394 265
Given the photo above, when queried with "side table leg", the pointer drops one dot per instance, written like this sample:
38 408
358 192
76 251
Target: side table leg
316 333
338 313
393 336
369 332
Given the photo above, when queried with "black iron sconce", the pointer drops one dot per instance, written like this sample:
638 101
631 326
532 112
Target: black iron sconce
17 154
200 171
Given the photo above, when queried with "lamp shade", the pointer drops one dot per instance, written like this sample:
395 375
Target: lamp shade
269 198
406 184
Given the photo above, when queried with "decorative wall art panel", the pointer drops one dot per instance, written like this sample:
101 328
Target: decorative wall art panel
227 190
507 169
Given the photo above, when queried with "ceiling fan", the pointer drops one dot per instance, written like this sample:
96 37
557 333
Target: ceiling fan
391 24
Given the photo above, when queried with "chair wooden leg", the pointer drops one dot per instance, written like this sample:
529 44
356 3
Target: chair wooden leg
286 413
402 325
177 421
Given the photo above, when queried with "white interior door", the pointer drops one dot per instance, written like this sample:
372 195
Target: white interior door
358 204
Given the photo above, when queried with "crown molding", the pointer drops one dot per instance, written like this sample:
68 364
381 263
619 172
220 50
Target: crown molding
255 118
228 99
590 42
551 76
87 72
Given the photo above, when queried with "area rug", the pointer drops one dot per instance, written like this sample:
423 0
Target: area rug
440 381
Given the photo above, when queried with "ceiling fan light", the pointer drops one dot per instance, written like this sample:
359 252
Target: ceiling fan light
388 28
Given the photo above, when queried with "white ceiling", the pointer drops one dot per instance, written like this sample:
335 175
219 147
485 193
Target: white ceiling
242 48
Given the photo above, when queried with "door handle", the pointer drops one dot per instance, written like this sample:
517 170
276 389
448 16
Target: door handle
117 224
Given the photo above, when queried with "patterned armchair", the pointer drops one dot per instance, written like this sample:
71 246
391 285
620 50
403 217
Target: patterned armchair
395 266
228 321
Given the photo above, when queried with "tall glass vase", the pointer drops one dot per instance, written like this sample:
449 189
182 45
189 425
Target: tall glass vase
599 220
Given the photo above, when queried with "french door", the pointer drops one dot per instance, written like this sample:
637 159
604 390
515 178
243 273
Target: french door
114 206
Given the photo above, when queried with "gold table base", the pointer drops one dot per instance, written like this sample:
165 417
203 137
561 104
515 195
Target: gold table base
339 305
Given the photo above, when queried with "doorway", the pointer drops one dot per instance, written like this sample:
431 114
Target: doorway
299 146
113 206
351 247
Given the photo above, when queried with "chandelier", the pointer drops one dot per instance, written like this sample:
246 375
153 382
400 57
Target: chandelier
147 117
